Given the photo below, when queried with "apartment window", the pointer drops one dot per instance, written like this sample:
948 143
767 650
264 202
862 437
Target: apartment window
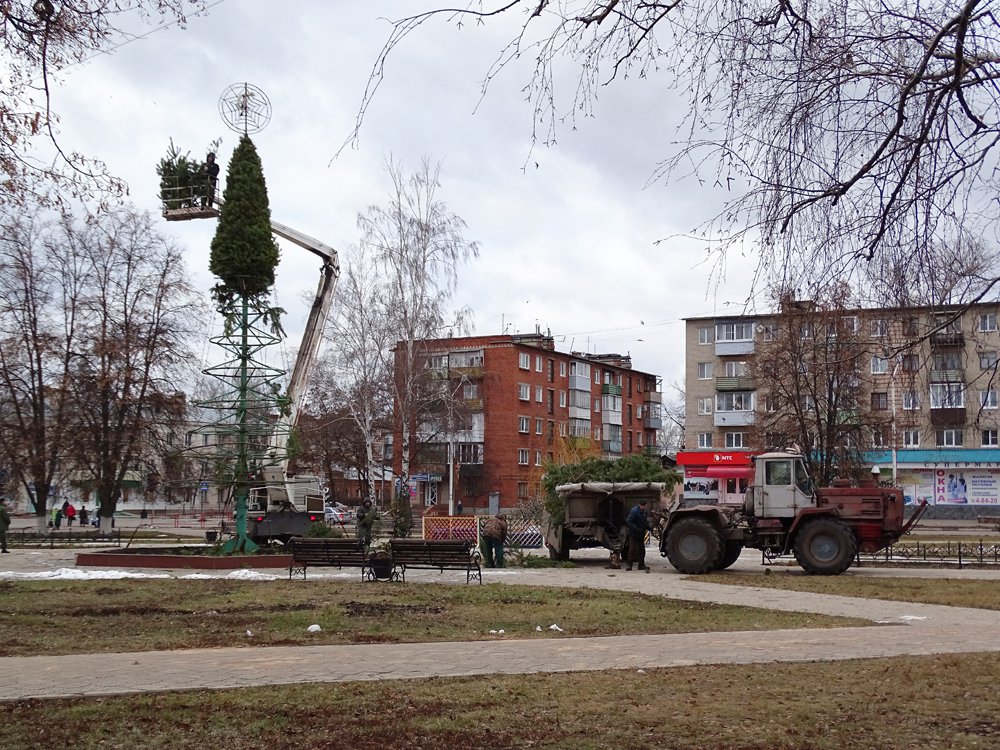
597 406
562 398
597 376
911 438
987 360
991 438
204 438
735 369
188 438
538 363
880 327
911 400
562 369
851 324
878 439
705 405
947 395
524 361
911 326
736 440
949 438
539 394
538 426
704 439
742 331
909 362
880 400
880 365
538 458
524 392
808 402
704 371
523 424
988 322
771 402
522 456
705 335
522 490
805 330
734 401
470 390
988 399
770 332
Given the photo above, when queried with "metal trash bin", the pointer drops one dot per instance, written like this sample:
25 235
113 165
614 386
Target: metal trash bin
211 536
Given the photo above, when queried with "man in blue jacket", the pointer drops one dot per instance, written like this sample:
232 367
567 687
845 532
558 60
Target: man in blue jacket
637 524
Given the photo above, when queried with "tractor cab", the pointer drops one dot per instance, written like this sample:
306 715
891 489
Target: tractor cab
781 486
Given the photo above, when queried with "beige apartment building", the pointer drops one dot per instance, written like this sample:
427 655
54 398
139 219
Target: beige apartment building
931 374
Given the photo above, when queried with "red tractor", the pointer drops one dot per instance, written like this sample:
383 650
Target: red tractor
782 513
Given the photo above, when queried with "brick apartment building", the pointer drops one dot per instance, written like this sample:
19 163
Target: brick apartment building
525 404
931 373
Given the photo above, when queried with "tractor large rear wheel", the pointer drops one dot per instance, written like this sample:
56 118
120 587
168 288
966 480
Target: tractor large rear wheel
694 545
825 547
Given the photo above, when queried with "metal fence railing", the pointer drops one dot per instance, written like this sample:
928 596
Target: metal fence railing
977 552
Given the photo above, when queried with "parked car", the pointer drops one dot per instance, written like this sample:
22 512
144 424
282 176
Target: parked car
335 515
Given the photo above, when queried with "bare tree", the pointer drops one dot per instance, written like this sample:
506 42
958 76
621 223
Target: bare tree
354 379
39 38
811 392
41 286
853 138
138 313
418 245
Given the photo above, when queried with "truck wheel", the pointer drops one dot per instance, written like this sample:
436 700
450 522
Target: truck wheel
730 554
562 554
694 545
825 547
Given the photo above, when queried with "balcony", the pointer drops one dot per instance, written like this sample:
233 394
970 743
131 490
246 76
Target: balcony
612 446
578 412
467 373
947 376
737 383
733 418
652 423
579 383
611 390
653 451
653 397
611 417
953 417
729 348
474 404
947 338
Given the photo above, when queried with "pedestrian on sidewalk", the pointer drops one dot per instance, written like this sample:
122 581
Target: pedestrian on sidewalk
84 515
495 536
4 524
637 524
366 522
57 517
70 512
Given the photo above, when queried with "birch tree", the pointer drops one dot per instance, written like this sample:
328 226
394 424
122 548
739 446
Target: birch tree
418 245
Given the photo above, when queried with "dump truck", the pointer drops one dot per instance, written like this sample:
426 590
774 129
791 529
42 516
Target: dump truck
784 514
593 515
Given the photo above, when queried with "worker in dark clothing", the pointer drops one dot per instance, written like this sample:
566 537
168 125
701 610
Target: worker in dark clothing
211 170
637 524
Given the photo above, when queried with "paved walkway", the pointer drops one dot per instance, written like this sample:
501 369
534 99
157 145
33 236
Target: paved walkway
910 629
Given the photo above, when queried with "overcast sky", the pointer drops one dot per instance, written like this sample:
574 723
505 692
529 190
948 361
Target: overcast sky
567 232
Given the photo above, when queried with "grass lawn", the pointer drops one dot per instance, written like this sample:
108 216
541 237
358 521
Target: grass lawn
883 704
982 594
63 617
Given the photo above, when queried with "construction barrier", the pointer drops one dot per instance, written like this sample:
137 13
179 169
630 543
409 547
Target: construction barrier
520 532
